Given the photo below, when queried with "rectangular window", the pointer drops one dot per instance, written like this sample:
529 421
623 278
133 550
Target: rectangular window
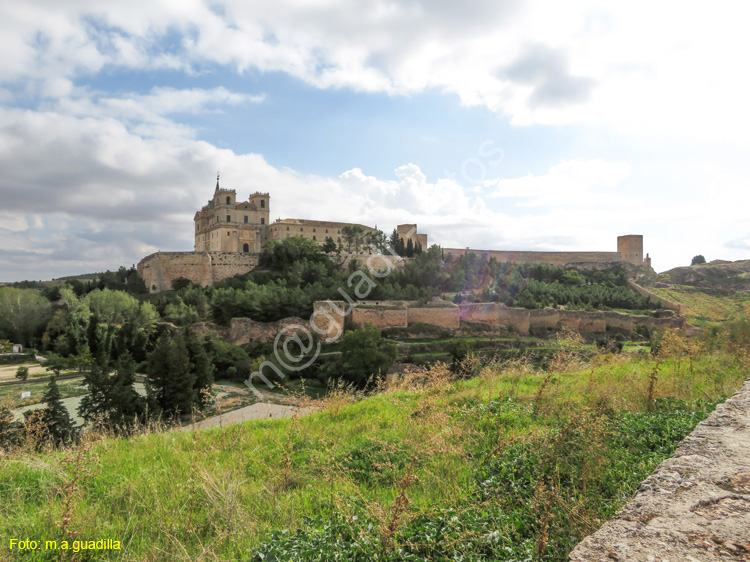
262 220
245 219
229 219
313 230
314 238
301 229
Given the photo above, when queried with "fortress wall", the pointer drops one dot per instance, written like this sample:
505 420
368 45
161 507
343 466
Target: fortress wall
552 258
203 268
225 265
446 317
486 313
519 318
380 317
665 303
544 318
328 319
246 330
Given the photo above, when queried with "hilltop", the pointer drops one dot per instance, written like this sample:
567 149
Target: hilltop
716 275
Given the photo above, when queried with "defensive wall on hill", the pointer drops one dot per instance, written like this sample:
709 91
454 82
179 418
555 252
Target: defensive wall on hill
629 249
447 315
203 268
206 268
552 258
664 303
331 318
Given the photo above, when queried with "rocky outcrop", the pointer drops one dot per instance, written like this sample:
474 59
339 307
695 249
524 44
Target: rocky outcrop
721 275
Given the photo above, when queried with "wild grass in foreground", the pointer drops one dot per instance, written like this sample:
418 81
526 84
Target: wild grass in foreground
480 462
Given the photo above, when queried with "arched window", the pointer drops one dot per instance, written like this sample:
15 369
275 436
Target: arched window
229 200
246 248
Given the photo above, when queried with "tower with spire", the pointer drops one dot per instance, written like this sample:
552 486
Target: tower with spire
224 225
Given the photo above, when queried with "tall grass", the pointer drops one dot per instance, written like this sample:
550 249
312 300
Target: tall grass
493 460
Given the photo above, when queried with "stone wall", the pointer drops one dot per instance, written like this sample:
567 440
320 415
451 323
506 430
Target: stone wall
665 303
203 268
380 316
552 258
486 313
695 506
443 316
525 320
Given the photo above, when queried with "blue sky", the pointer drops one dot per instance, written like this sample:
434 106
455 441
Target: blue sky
502 125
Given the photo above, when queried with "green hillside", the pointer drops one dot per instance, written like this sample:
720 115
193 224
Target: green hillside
705 306
490 462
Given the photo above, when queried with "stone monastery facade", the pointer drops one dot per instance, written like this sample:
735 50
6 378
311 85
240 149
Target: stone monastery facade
225 225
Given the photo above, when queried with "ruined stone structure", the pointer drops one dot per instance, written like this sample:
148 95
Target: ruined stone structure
629 249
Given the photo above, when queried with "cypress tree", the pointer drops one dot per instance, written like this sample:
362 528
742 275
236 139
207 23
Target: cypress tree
58 426
180 379
201 366
128 405
394 240
157 373
409 248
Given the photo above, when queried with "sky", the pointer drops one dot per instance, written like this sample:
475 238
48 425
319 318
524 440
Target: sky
499 124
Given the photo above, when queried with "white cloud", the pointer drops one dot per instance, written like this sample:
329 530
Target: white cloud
570 183
672 68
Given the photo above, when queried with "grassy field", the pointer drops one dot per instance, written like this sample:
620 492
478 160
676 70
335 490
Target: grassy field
8 372
10 396
492 462
704 308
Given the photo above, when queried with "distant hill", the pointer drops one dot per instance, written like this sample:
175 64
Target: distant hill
715 275
712 292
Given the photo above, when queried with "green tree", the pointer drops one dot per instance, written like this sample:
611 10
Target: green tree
22 373
329 246
394 240
113 397
55 363
171 380
58 427
697 260
202 368
409 248
23 314
364 354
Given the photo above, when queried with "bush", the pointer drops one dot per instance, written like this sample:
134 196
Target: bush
364 354
22 373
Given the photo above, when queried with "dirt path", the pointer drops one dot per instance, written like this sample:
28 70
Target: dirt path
259 411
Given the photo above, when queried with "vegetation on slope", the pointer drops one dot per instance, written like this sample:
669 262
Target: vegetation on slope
705 308
482 462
